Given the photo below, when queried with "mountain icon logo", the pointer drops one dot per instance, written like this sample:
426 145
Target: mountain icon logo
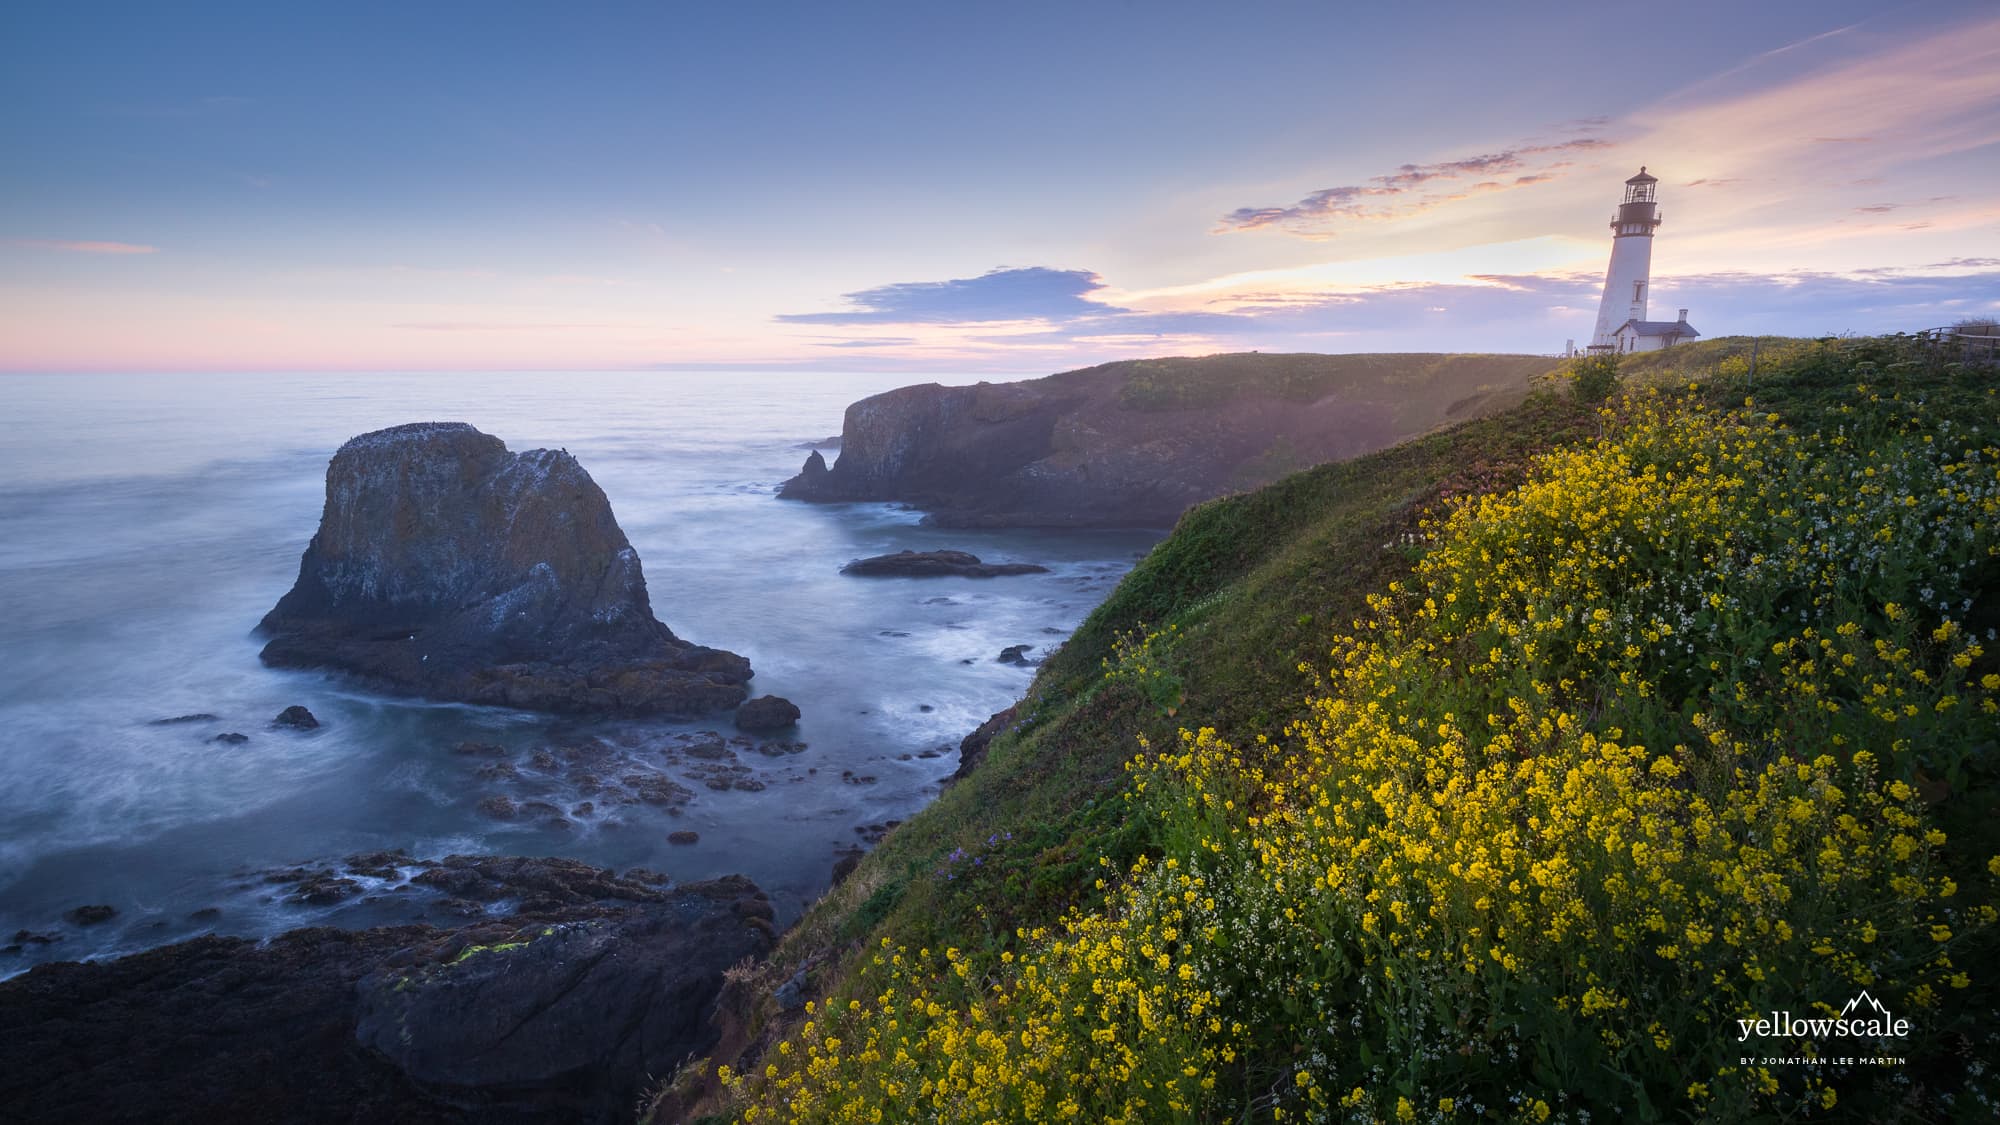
1874 1006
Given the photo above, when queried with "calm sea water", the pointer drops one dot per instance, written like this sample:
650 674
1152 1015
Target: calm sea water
148 522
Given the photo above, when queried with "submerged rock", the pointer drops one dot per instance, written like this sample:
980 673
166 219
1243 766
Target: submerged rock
231 738
935 564
767 713
446 566
92 915
498 807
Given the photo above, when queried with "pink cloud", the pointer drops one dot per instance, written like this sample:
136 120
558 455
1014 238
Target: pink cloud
88 247
1314 215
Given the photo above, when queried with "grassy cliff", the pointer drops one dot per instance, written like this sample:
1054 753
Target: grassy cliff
1495 775
1137 442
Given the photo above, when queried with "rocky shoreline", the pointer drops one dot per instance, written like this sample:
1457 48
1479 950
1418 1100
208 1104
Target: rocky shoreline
557 1002
536 990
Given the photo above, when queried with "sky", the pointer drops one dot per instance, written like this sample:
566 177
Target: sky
968 186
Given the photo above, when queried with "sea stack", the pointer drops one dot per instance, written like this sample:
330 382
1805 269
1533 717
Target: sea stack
448 567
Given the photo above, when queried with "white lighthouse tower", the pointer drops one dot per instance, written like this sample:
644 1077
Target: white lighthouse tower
1629 275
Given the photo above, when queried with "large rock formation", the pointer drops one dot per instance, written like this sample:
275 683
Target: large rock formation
1135 443
563 1012
446 566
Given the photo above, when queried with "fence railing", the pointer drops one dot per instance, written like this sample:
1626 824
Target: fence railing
1975 342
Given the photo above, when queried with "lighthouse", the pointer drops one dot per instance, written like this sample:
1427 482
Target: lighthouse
1621 314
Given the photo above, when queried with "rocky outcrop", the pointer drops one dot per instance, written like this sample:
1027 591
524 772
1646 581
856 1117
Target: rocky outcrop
972 749
446 566
1135 443
563 1011
296 717
573 1016
935 564
767 713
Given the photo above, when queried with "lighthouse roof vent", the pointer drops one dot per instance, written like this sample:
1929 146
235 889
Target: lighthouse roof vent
1643 178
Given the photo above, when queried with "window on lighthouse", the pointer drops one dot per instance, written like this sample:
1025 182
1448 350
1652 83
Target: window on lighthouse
1638 291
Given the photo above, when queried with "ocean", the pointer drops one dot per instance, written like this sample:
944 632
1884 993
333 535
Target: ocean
148 521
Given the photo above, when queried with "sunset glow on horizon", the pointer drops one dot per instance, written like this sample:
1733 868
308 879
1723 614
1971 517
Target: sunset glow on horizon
951 188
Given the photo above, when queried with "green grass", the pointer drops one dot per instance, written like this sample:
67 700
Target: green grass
1181 383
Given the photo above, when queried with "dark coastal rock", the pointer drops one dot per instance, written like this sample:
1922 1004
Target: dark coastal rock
324 888
297 718
378 865
498 807
935 564
92 915
446 566
791 995
1136 442
209 1030
657 789
715 750
845 865
972 750
541 888
875 833
814 471
231 738
767 713
596 1004
684 837
1015 654
558 1013
196 717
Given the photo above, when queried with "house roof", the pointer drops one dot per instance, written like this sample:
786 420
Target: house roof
1659 328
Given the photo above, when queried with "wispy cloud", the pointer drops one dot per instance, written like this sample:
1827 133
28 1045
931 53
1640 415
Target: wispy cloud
86 246
1035 293
872 342
1404 191
1893 105
490 326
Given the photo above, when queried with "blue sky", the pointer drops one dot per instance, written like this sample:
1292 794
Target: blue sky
958 186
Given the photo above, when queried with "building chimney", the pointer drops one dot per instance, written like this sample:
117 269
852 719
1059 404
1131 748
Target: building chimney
1684 316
